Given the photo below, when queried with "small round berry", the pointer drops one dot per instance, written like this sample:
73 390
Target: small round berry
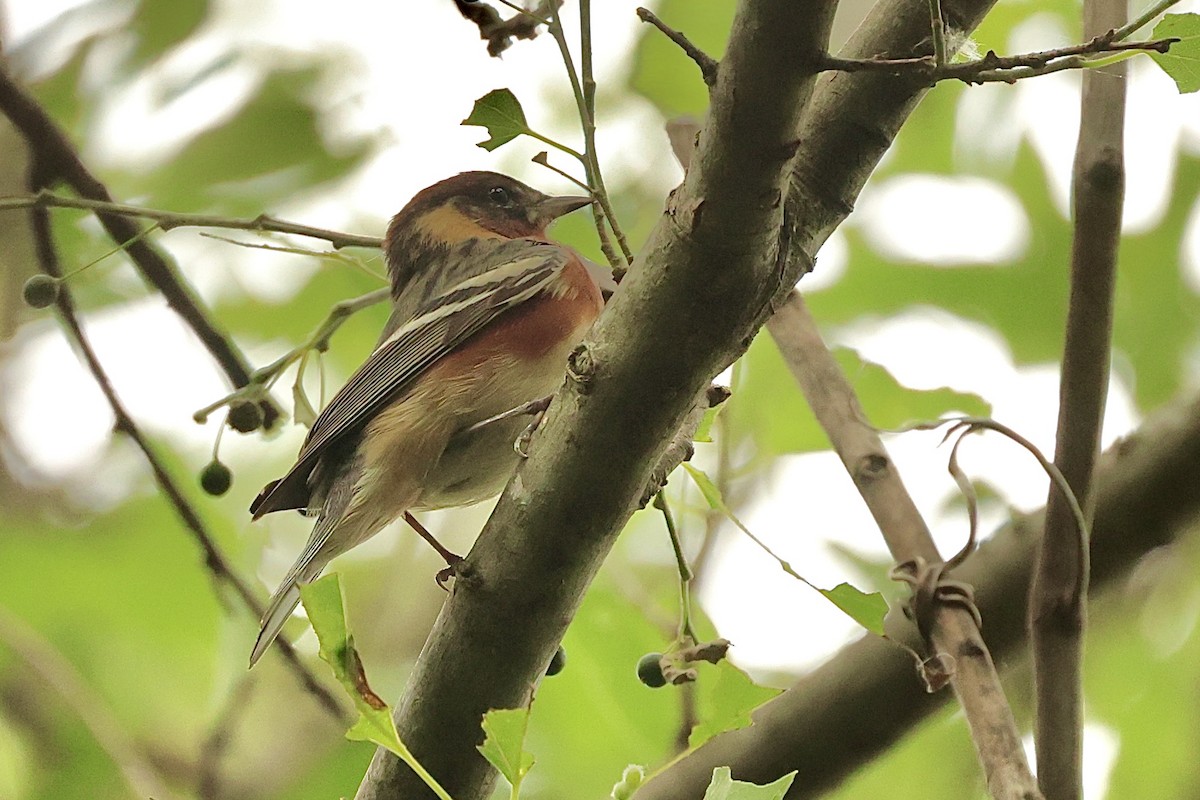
216 478
649 671
40 291
245 417
557 663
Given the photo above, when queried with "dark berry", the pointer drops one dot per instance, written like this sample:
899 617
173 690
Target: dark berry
216 478
649 671
558 662
41 291
245 417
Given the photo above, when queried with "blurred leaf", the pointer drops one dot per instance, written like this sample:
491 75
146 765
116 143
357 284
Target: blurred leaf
161 24
662 73
504 745
500 112
625 722
1182 61
704 430
726 703
271 147
770 406
724 787
1032 327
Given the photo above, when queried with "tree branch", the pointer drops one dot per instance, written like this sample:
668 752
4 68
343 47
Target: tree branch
214 559
993 68
55 159
1058 596
864 699
953 627
701 288
172 219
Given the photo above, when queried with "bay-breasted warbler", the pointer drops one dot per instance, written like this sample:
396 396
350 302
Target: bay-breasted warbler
485 311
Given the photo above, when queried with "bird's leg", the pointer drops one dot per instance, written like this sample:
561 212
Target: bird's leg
538 407
521 445
451 559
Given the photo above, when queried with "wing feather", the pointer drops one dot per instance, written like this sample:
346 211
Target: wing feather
446 321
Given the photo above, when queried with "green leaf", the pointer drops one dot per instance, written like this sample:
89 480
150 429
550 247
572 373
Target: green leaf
704 431
504 747
1182 61
724 787
727 703
325 605
867 610
500 112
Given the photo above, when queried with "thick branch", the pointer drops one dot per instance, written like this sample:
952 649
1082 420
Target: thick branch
953 629
700 289
1058 610
55 160
864 699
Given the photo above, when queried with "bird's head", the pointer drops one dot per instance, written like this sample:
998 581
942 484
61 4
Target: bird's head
480 205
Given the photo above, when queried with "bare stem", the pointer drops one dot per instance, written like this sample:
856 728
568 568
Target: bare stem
1058 598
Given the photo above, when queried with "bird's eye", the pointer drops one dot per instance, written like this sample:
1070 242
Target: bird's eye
499 195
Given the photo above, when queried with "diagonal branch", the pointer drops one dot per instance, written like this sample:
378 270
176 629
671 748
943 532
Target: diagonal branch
953 628
214 559
700 289
863 700
1058 611
55 160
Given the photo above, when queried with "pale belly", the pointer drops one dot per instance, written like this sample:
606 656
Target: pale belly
477 465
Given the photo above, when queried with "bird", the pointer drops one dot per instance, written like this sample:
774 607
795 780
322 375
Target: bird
485 310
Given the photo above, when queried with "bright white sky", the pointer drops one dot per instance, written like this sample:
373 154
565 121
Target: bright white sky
416 87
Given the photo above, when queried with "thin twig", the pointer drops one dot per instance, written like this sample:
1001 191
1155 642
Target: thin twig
591 164
168 220
707 64
265 377
214 559
992 67
56 160
1058 595
681 565
938 31
1143 19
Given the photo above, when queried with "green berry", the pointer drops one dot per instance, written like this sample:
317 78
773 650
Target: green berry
216 478
558 662
245 417
41 291
649 671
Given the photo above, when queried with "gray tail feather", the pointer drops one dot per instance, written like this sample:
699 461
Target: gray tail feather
283 603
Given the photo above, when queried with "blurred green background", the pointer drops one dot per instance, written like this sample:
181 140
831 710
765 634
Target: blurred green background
122 663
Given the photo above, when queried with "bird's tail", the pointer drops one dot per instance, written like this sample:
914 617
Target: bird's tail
279 610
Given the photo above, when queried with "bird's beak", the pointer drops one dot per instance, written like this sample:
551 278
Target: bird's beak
551 208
